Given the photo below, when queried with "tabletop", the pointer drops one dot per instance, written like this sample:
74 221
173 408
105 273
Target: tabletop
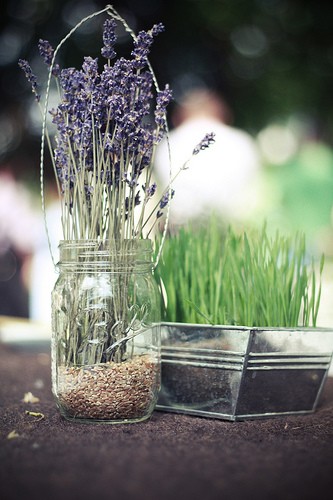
169 456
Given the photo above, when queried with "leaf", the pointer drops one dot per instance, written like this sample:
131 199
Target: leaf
13 435
200 312
30 398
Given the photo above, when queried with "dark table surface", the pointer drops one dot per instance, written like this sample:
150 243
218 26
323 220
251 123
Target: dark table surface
170 456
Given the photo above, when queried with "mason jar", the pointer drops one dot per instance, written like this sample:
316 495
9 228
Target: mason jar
106 331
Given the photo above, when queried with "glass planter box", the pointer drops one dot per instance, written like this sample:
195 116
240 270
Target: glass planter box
239 373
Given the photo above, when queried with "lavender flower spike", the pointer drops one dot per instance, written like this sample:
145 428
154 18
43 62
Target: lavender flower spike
164 202
165 198
30 77
150 191
163 99
46 51
143 43
157 29
109 39
204 143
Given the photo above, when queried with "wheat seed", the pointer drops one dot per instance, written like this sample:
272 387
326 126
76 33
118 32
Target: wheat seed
112 391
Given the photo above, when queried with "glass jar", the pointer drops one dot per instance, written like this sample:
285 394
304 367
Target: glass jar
106 332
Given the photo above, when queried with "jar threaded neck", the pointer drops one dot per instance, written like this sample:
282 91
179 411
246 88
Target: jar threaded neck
94 255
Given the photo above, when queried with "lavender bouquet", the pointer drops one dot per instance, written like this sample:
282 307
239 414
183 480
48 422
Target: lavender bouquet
108 122
105 143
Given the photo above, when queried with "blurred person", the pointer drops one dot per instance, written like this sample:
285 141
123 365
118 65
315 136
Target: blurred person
43 274
222 179
19 227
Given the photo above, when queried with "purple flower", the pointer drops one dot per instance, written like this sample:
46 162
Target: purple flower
90 68
46 51
130 200
70 79
150 191
109 39
142 45
162 100
165 198
30 77
157 29
137 200
204 143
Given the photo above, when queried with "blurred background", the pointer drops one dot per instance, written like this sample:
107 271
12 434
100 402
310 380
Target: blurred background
271 62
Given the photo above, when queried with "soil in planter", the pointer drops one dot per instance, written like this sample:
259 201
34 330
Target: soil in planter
198 388
192 385
110 391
